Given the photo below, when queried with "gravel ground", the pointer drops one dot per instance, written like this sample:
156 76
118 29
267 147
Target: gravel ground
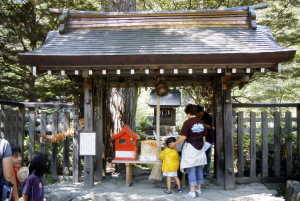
114 189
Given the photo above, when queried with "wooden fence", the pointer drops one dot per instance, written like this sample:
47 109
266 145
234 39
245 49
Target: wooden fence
267 144
20 120
12 124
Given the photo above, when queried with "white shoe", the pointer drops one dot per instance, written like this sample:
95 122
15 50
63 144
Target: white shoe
199 192
192 194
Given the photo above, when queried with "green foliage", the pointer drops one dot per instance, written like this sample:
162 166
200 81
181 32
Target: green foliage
24 27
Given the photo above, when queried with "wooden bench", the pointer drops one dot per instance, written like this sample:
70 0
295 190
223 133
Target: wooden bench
129 168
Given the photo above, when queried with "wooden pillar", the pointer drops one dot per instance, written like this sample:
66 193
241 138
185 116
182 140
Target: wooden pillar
219 148
265 145
252 144
288 139
98 127
277 144
54 146
88 123
228 140
31 132
240 142
66 125
21 130
43 131
298 132
76 160
1 122
129 174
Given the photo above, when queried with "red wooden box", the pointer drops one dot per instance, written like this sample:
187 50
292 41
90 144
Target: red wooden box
126 144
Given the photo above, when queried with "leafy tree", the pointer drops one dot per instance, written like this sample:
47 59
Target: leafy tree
23 27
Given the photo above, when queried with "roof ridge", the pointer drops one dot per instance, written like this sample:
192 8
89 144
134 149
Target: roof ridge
81 12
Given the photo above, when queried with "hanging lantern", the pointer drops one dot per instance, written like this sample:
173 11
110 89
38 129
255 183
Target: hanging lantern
162 89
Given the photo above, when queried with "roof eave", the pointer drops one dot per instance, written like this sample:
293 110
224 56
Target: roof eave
30 58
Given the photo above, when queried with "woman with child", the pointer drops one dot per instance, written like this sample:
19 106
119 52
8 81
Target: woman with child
193 156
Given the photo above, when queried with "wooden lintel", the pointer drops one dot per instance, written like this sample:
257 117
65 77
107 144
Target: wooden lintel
248 105
210 67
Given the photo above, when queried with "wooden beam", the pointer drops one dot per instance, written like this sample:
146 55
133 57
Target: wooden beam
88 123
64 61
46 104
205 13
228 141
11 103
247 105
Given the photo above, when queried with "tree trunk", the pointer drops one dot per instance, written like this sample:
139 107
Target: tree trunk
123 100
119 104
122 5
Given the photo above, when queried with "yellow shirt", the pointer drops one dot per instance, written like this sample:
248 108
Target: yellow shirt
170 158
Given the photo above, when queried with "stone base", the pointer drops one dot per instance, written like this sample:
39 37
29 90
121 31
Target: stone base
292 190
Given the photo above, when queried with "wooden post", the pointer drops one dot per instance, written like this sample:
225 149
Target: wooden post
252 145
88 124
265 144
43 131
228 141
298 132
31 132
277 143
219 155
66 125
158 123
240 139
76 146
98 126
54 146
21 129
288 139
129 174
14 127
1 122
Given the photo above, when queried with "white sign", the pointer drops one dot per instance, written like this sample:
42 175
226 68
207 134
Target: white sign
87 144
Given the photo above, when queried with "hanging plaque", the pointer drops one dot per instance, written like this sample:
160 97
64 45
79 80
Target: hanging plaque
87 144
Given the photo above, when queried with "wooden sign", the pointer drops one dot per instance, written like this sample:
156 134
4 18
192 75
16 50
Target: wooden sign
87 144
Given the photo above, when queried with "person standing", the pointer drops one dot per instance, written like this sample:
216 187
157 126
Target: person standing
7 171
170 165
193 157
210 137
33 189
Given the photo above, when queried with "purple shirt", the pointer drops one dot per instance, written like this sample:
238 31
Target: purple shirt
34 188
